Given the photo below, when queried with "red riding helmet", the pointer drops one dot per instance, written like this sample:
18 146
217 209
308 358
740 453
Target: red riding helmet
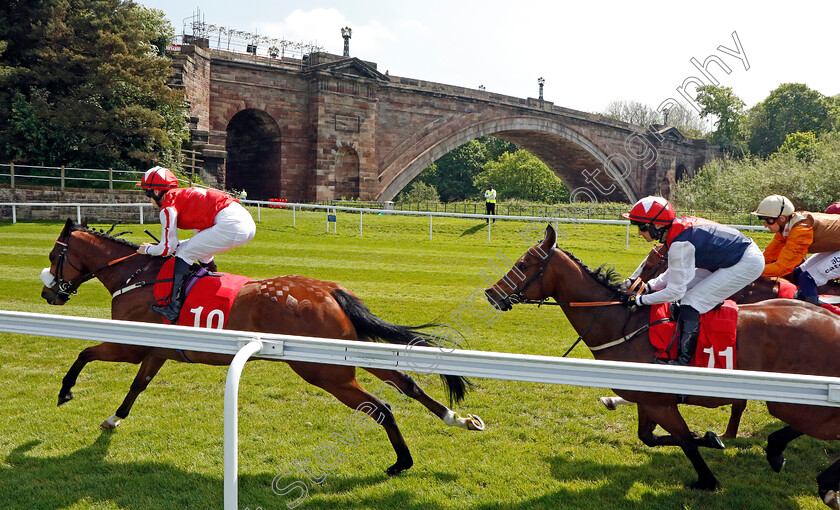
158 178
655 210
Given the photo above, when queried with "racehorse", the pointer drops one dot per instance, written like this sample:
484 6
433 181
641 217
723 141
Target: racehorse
779 335
762 289
321 309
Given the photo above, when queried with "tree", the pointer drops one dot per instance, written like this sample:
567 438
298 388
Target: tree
452 174
727 109
640 114
418 191
83 84
790 108
804 146
521 175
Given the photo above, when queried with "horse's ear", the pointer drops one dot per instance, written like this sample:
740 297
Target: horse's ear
550 239
68 227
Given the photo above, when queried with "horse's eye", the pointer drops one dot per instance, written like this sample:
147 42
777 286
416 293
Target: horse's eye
521 266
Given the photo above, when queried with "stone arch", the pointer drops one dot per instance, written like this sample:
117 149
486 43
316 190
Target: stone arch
253 146
346 172
574 158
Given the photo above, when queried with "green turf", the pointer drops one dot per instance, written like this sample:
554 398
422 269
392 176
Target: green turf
545 446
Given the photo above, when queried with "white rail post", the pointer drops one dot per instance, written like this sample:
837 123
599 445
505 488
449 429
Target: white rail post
489 228
430 227
360 223
231 457
627 238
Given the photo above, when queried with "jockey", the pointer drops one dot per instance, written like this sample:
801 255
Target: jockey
798 233
707 263
219 221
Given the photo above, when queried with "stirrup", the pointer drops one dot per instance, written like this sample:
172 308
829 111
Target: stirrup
170 312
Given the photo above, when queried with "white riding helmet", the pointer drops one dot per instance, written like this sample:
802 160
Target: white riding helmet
774 206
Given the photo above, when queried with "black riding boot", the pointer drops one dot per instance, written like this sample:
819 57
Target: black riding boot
210 266
689 326
179 275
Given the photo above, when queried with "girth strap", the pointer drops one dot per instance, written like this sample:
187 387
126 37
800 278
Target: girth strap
630 335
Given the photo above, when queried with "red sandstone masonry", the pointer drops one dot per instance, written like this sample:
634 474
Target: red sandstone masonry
344 128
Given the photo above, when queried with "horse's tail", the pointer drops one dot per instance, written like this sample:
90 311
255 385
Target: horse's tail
369 326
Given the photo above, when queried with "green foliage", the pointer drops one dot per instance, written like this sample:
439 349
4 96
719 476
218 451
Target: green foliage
83 83
418 191
728 110
522 176
453 174
804 146
738 185
790 108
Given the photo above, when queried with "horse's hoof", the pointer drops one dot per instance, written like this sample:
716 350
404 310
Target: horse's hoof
63 399
475 423
110 423
608 403
776 461
831 498
712 440
399 467
712 485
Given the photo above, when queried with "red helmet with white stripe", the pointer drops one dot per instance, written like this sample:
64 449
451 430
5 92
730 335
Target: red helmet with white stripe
655 210
159 178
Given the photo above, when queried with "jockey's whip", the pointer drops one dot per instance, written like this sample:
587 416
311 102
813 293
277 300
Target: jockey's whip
151 235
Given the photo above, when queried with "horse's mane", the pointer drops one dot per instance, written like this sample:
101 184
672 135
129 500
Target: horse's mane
603 274
105 235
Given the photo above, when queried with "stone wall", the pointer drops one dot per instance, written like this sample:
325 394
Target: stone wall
105 214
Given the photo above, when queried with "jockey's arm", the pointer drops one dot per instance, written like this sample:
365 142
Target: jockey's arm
168 234
792 252
676 278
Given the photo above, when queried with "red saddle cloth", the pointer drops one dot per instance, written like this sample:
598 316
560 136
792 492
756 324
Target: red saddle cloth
208 299
716 343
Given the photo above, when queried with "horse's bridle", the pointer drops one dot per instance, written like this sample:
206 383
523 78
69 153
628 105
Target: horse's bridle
67 288
518 295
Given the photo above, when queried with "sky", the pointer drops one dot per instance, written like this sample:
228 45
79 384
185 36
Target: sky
588 52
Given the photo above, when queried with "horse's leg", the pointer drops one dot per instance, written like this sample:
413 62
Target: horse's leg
612 403
341 382
670 419
829 485
776 444
101 352
735 419
148 369
646 435
405 384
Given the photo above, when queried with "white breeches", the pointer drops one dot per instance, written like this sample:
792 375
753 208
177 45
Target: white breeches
232 227
823 267
710 288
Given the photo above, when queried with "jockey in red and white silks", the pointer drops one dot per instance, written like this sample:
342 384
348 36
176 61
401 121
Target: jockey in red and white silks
219 221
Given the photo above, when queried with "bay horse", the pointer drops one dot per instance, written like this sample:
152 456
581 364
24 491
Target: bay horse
778 335
322 309
762 289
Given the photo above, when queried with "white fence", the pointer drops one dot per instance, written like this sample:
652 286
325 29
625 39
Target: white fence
330 210
737 384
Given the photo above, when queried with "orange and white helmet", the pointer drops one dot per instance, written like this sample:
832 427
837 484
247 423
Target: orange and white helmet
158 178
655 210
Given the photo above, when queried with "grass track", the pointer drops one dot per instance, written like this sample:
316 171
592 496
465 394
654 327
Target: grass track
545 447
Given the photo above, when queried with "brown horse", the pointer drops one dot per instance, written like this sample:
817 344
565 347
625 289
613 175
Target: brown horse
317 308
760 290
780 335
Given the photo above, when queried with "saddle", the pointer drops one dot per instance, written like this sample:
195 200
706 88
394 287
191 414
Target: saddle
716 346
208 296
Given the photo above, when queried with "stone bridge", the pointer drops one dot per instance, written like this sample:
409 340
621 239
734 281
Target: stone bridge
326 127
